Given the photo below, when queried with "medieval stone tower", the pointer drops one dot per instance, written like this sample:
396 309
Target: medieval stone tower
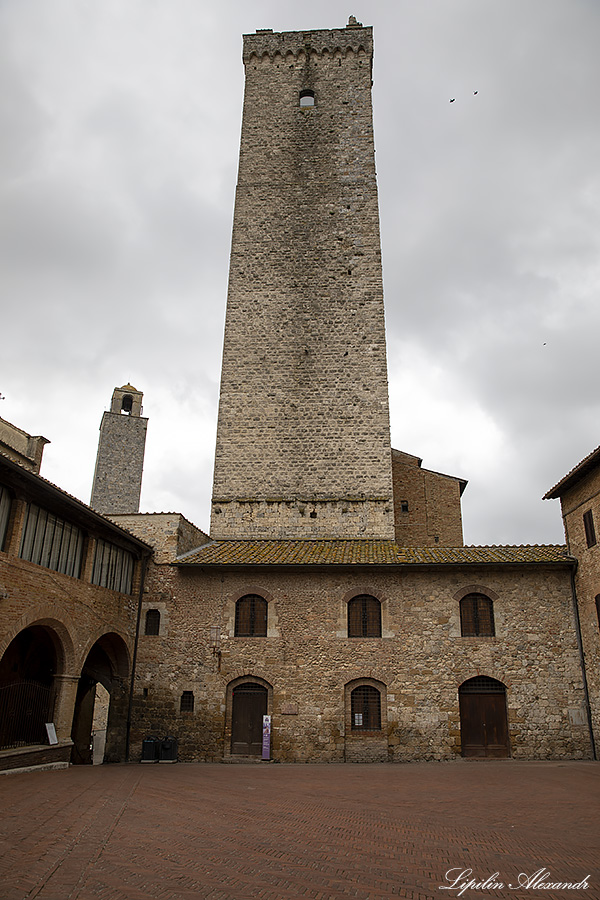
303 443
119 465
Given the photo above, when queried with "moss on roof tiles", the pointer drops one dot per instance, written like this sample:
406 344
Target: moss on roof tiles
365 552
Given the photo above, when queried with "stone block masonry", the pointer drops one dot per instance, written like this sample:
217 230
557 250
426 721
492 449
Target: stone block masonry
303 415
120 462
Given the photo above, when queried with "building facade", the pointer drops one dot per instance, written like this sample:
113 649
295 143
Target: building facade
70 587
335 594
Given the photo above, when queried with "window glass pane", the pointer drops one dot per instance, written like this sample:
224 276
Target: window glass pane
51 542
5 501
113 567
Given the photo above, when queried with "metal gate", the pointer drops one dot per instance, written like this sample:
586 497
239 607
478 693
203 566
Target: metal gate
25 707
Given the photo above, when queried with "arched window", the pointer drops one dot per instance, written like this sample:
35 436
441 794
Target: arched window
152 622
186 704
476 616
365 707
364 617
127 404
307 98
251 616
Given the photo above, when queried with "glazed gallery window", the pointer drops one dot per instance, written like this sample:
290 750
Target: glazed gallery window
51 542
364 617
152 622
476 616
113 567
251 616
365 708
5 503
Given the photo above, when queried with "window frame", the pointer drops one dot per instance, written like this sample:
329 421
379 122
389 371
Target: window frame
366 621
153 621
589 528
255 623
365 701
473 619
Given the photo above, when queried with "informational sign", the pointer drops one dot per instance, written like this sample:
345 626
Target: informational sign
51 732
266 742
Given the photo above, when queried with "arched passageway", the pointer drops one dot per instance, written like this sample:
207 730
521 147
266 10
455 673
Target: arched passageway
27 671
107 664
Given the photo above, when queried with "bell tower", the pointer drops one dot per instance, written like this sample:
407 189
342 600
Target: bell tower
303 442
120 461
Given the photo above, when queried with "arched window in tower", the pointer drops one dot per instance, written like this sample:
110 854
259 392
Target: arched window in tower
364 617
365 706
307 98
251 616
152 621
127 404
477 616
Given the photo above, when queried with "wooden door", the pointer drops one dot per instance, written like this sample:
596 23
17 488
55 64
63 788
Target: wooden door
483 724
249 707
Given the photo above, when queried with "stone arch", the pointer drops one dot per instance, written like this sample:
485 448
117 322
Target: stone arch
266 706
30 681
365 588
365 745
483 717
57 630
107 663
259 591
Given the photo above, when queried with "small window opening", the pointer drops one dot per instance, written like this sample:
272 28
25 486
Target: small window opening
127 404
145 693
590 531
152 622
404 506
307 98
186 704
598 608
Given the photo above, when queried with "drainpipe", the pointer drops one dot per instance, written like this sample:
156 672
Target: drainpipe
144 567
582 664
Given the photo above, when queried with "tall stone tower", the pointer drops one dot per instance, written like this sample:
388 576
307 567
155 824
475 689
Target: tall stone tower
120 461
303 443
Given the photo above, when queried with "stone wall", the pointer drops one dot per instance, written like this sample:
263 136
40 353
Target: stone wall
427 509
303 413
119 464
580 498
309 664
171 534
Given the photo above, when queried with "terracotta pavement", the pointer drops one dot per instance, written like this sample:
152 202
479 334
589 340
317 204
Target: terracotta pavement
291 832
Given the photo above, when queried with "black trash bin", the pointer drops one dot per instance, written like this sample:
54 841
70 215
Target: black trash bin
168 750
150 750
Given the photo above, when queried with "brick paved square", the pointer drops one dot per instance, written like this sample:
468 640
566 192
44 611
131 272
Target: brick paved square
295 832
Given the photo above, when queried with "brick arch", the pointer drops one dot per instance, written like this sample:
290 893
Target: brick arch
475 589
58 632
115 647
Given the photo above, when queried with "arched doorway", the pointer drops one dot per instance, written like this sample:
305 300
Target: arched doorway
27 671
107 664
249 703
483 719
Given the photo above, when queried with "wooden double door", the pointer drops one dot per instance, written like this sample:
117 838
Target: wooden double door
249 705
483 720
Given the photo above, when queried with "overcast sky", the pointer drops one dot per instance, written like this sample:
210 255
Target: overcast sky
119 136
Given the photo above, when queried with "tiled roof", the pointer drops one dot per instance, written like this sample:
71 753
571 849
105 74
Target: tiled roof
366 552
591 461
